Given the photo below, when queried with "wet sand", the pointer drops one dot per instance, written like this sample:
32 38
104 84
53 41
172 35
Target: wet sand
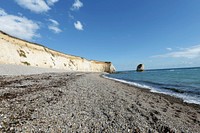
87 102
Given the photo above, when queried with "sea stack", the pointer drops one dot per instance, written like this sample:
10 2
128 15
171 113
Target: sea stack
140 68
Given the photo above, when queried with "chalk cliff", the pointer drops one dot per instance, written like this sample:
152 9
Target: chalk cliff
21 52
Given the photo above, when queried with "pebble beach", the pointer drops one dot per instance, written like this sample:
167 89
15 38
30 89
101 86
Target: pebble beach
49 101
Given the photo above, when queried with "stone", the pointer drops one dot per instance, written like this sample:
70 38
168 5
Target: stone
140 68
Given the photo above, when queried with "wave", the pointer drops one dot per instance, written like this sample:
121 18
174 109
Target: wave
155 86
146 85
174 89
187 96
150 85
133 83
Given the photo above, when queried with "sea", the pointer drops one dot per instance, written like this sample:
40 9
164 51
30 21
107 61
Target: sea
183 83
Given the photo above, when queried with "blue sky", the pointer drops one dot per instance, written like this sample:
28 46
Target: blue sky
157 33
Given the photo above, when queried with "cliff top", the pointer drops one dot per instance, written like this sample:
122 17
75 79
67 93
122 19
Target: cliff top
36 44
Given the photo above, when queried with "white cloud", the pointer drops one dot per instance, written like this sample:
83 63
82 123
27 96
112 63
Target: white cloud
37 6
18 26
54 22
76 5
54 29
2 12
169 49
54 26
51 2
190 53
78 25
70 15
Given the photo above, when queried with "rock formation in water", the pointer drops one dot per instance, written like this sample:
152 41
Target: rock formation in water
21 52
140 68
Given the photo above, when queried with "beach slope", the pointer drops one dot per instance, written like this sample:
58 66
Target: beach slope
86 102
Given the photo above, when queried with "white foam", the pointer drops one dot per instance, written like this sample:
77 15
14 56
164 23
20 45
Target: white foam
133 83
188 99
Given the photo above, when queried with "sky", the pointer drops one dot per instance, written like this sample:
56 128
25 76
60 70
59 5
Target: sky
156 33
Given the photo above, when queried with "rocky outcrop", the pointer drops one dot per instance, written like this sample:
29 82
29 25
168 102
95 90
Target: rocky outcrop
140 68
21 52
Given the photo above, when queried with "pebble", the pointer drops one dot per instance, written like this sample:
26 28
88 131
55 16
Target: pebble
81 104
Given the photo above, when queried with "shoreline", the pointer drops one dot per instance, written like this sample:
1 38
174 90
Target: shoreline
168 97
87 102
147 88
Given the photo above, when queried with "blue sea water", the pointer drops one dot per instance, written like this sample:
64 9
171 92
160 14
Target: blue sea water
183 83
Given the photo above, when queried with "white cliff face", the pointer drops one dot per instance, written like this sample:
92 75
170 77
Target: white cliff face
20 52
